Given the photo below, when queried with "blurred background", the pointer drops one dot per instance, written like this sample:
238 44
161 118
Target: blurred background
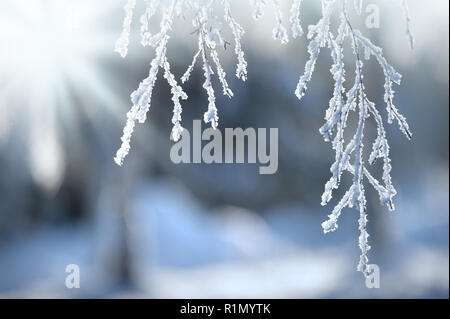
154 229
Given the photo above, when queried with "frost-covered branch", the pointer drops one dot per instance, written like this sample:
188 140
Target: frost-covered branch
209 29
350 156
141 97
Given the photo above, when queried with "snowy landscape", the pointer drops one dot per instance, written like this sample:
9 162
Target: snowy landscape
152 228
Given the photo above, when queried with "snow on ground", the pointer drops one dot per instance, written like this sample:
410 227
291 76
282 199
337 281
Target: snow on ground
182 249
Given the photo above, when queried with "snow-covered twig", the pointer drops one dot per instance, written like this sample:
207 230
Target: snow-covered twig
121 46
408 23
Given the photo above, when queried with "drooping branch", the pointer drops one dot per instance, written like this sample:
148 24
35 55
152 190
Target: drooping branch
336 118
350 157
